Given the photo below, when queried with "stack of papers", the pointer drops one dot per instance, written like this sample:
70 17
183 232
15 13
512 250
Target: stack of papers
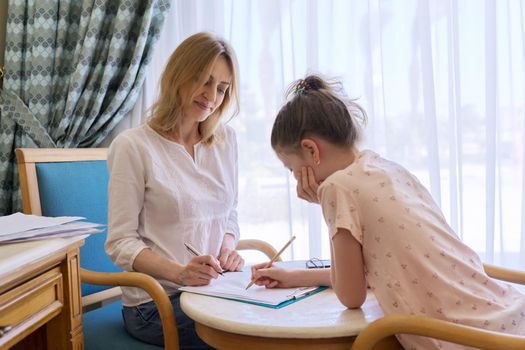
233 286
20 227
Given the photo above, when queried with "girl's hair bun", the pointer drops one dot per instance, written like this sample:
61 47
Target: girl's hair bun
310 83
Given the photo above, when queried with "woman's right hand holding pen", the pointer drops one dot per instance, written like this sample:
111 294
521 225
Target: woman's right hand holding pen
199 271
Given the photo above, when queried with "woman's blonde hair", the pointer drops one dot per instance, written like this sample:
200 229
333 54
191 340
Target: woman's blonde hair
188 68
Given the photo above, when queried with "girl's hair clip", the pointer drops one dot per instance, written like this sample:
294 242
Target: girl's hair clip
302 87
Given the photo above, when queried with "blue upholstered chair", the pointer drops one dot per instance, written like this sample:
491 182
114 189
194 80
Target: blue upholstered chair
58 182
73 182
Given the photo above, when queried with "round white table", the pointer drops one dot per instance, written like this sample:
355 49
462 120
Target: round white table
319 321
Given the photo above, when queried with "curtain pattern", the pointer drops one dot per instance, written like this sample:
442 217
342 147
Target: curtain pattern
73 69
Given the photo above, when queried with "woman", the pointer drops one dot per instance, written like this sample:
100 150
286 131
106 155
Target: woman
173 181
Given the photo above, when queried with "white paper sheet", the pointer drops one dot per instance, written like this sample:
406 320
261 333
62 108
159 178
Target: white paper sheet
233 286
87 231
19 222
21 227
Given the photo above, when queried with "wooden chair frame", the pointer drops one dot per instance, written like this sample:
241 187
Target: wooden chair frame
27 158
444 330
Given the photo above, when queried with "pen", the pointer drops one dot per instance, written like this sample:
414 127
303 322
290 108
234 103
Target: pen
195 252
275 257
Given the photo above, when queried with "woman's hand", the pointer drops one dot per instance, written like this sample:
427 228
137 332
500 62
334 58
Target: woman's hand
199 271
230 260
272 277
307 185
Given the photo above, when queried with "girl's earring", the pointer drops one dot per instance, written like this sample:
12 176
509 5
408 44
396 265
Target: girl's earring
317 162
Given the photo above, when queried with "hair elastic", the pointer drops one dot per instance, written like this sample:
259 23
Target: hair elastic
302 87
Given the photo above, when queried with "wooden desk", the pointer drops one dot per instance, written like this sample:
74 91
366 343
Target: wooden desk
40 294
317 322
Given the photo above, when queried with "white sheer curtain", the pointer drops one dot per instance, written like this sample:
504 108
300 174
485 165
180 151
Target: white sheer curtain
443 83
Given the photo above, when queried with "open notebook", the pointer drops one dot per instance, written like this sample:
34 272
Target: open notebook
233 286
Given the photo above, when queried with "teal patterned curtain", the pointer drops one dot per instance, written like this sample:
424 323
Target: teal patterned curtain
73 69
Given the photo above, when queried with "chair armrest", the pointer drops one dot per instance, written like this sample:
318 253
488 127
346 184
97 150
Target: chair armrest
151 286
505 274
257 244
99 299
430 327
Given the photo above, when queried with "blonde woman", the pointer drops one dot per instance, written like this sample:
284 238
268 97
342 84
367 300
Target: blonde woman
173 181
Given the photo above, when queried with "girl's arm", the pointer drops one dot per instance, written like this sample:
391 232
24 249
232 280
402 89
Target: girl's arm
347 272
276 277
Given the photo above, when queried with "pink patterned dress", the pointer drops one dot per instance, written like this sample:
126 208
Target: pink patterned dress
414 262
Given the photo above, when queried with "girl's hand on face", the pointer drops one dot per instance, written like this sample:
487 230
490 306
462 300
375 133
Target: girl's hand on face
199 271
272 277
230 260
307 185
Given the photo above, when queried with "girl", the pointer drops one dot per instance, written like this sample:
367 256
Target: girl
385 229
172 181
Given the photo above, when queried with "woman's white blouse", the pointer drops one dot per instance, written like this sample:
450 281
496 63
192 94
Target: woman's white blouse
160 198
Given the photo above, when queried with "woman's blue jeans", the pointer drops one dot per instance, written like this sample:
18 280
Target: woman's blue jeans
143 322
